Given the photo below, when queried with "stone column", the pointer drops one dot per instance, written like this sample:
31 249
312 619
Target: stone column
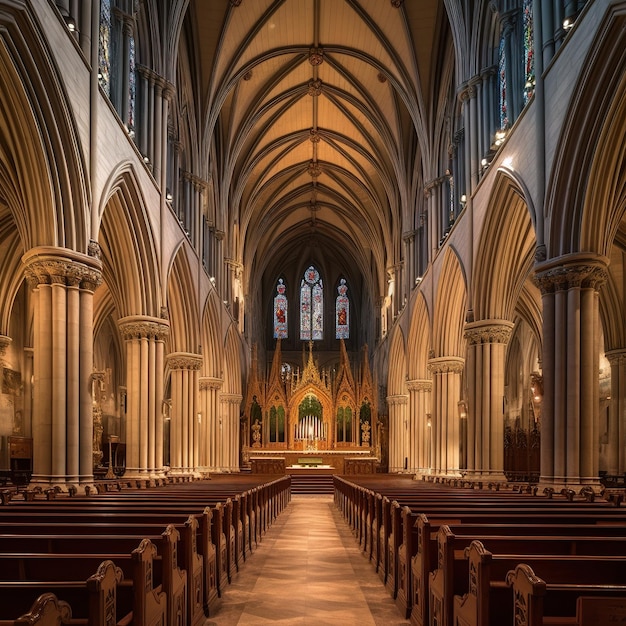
143 435
210 444
486 351
184 428
63 283
445 429
570 412
419 410
398 432
616 461
229 431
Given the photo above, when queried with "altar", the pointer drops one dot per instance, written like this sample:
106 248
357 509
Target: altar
296 462
297 415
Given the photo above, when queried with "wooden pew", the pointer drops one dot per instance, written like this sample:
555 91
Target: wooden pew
490 601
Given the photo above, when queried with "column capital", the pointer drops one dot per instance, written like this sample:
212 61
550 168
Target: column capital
184 361
231 398
208 382
419 384
5 342
585 270
139 327
397 400
616 357
488 331
46 265
445 364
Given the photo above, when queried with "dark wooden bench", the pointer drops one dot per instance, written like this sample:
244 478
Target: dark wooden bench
499 587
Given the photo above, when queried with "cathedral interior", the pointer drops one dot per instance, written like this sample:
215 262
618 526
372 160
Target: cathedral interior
385 234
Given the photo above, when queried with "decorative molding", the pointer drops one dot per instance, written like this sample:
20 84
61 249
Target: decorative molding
315 87
488 331
614 357
419 384
316 56
571 272
47 269
207 382
231 398
397 400
446 364
5 342
137 327
184 361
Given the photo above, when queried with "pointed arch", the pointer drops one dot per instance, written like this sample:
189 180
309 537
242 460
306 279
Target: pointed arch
234 364
450 307
396 378
584 176
505 251
127 243
182 305
212 347
418 345
48 195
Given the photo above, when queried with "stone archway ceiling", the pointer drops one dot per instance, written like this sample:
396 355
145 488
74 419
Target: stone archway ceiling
319 110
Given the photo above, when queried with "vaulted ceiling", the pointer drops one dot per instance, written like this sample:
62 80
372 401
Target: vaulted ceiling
318 110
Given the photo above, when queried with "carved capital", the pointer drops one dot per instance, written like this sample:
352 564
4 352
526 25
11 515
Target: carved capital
573 271
207 382
397 400
616 358
419 384
5 342
46 266
488 331
137 327
446 364
231 398
184 361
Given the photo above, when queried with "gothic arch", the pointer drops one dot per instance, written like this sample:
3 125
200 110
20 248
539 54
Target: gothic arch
234 365
182 306
396 378
586 197
505 251
450 307
418 344
47 195
130 266
212 349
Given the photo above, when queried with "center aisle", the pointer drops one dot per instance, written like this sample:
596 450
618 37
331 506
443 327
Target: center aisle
309 571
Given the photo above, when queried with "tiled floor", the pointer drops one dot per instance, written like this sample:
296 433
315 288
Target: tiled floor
307 571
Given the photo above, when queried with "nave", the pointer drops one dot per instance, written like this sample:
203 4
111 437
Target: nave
308 571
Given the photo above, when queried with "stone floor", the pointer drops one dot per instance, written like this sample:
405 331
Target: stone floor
307 571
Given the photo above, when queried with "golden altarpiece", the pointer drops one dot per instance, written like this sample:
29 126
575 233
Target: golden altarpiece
331 415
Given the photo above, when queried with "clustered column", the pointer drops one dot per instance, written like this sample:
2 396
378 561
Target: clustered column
63 283
398 432
419 426
229 431
185 424
145 337
445 427
487 341
210 443
571 340
616 461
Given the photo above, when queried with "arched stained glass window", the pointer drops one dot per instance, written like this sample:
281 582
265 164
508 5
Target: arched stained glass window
280 311
342 311
311 306
504 116
529 53
104 46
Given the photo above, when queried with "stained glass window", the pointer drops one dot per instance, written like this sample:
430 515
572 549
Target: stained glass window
342 311
132 85
311 306
529 57
280 311
104 46
504 117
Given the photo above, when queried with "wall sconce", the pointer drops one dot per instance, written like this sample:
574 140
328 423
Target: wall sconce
428 420
463 201
168 195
